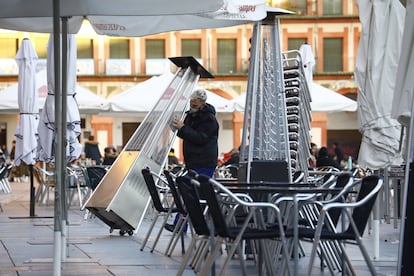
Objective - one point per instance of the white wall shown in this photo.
(342, 120)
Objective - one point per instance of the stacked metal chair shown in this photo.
(275, 140)
(298, 111)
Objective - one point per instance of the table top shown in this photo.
(282, 189)
(232, 182)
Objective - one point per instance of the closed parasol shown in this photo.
(26, 131)
(47, 116)
(375, 75)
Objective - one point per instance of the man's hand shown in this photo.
(177, 123)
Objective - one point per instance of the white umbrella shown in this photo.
(142, 97)
(327, 100)
(404, 87)
(308, 61)
(131, 17)
(323, 100)
(47, 116)
(88, 101)
(26, 131)
(375, 75)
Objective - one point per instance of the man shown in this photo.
(199, 131)
(91, 150)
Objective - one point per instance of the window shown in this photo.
(332, 55)
(85, 61)
(154, 48)
(85, 48)
(119, 49)
(299, 6)
(332, 7)
(156, 63)
(226, 56)
(295, 43)
(191, 47)
(118, 62)
(8, 47)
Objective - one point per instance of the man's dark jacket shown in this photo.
(200, 134)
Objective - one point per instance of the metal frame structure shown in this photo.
(121, 198)
(275, 140)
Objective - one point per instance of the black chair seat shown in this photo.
(255, 233)
(326, 234)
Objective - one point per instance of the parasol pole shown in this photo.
(64, 133)
(57, 141)
(32, 192)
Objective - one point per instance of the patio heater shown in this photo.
(121, 198)
(274, 117)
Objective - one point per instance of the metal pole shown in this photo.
(63, 140)
(32, 192)
(57, 141)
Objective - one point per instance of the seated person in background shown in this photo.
(324, 160)
(109, 156)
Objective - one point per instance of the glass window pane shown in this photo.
(332, 55)
(226, 56)
(8, 47)
(40, 45)
(299, 6)
(154, 48)
(295, 43)
(191, 47)
(85, 48)
(332, 7)
(119, 49)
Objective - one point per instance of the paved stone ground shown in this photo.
(27, 245)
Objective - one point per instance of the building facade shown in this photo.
(110, 65)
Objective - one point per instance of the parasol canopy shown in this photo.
(375, 76)
(26, 131)
(142, 97)
(323, 100)
(131, 17)
(47, 117)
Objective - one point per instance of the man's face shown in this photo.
(196, 103)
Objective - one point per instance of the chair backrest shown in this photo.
(86, 177)
(368, 191)
(192, 204)
(298, 176)
(341, 181)
(152, 189)
(43, 176)
(328, 179)
(95, 175)
(173, 189)
(3, 171)
(207, 191)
